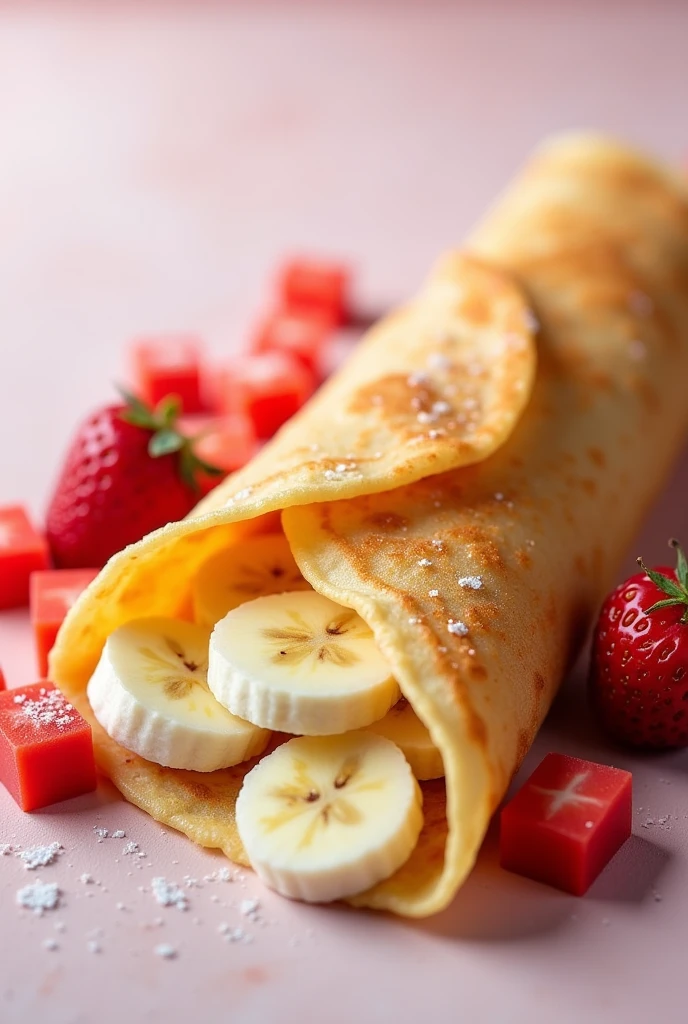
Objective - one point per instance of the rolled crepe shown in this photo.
(442, 453)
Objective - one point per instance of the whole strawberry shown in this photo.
(128, 471)
(639, 668)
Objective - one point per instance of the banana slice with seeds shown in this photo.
(322, 818)
(149, 693)
(402, 726)
(258, 566)
(299, 663)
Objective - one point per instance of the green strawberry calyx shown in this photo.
(676, 589)
(166, 437)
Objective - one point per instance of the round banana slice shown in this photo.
(260, 565)
(299, 663)
(149, 693)
(402, 726)
(326, 817)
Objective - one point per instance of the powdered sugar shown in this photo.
(457, 627)
(169, 895)
(471, 582)
(49, 708)
(39, 896)
(40, 856)
(165, 951)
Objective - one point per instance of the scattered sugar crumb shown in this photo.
(424, 562)
(457, 627)
(249, 908)
(499, 496)
(413, 620)
(433, 593)
(119, 834)
(589, 824)
(51, 944)
(471, 582)
(165, 952)
(420, 377)
(437, 361)
(93, 946)
(130, 847)
(40, 856)
(60, 926)
(6, 849)
(168, 894)
(101, 833)
(87, 879)
(120, 906)
(39, 896)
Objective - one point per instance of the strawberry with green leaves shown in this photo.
(639, 668)
(129, 471)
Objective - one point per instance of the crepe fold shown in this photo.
(443, 450)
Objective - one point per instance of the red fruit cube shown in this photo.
(269, 387)
(316, 285)
(3, 684)
(566, 822)
(53, 592)
(22, 551)
(46, 748)
(300, 332)
(169, 365)
(227, 442)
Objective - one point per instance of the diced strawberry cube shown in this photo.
(566, 822)
(301, 332)
(46, 748)
(168, 365)
(316, 285)
(22, 551)
(269, 387)
(53, 592)
(227, 442)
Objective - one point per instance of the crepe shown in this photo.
(461, 436)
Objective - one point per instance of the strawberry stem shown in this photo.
(166, 439)
(675, 589)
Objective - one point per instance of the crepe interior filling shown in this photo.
(267, 656)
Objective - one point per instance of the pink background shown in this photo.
(157, 160)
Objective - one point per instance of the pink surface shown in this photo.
(156, 164)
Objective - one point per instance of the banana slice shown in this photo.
(326, 817)
(260, 565)
(402, 726)
(299, 663)
(149, 693)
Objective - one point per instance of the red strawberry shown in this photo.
(127, 472)
(639, 668)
